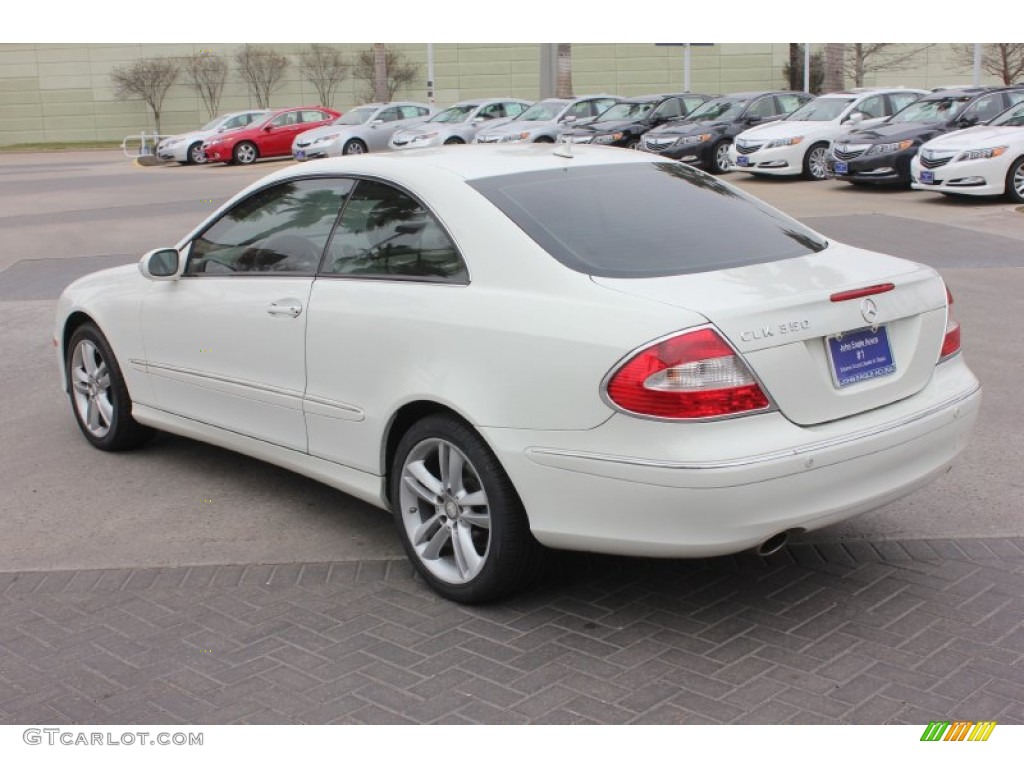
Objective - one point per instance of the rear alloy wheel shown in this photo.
(195, 154)
(720, 158)
(99, 397)
(245, 153)
(353, 147)
(1015, 181)
(459, 517)
(815, 167)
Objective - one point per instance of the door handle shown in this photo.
(286, 307)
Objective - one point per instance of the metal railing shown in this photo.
(141, 143)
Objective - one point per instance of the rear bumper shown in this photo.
(656, 489)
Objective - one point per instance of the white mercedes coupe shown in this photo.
(516, 346)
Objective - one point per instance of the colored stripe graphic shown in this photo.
(958, 731)
(982, 730)
(934, 730)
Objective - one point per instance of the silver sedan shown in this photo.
(546, 119)
(366, 128)
(459, 123)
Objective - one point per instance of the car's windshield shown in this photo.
(929, 110)
(626, 111)
(356, 116)
(821, 109)
(456, 114)
(645, 219)
(542, 110)
(1013, 117)
(214, 123)
(719, 109)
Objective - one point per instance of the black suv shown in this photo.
(622, 124)
(703, 137)
(882, 153)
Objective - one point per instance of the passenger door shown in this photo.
(225, 343)
(389, 264)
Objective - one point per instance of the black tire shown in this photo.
(195, 154)
(814, 162)
(245, 153)
(354, 147)
(720, 158)
(544, 140)
(454, 140)
(1015, 181)
(91, 402)
(488, 561)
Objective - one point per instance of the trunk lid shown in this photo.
(780, 315)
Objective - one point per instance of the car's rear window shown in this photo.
(645, 220)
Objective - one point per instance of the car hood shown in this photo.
(324, 130)
(518, 126)
(888, 132)
(977, 137)
(692, 128)
(607, 126)
(779, 128)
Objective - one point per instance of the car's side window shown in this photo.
(873, 106)
(237, 122)
(668, 109)
(691, 104)
(514, 108)
(313, 116)
(492, 111)
(389, 115)
(386, 233)
(279, 230)
(288, 118)
(901, 100)
(763, 107)
(1015, 97)
(986, 107)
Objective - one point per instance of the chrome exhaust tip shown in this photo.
(773, 545)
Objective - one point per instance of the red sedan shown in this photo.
(271, 137)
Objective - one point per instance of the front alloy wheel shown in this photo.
(195, 154)
(815, 166)
(99, 397)
(720, 157)
(1015, 181)
(460, 520)
(245, 153)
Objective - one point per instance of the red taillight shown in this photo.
(694, 375)
(951, 341)
(860, 293)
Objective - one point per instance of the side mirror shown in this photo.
(854, 118)
(268, 127)
(753, 120)
(967, 121)
(376, 122)
(569, 119)
(160, 264)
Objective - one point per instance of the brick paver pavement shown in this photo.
(890, 632)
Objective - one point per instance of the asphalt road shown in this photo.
(67, 506)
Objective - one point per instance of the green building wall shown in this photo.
(62, 92)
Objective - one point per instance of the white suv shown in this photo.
(798, 144)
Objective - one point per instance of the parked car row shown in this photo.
(862, 135)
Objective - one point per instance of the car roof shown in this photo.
(469, 162)
(755, 94)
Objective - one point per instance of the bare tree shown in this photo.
(382, 71)
(835, 53)
(325, 68)
(563, 82)
(205, 73)
(146, 79)
(262, 68)
(1002, 60)
(863, 58)
(795, 76)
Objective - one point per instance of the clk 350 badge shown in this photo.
(768, 331)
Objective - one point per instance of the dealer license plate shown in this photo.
(927, 177)
(300, 154)
(860, 355)
(742, 161)
(841, 168)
